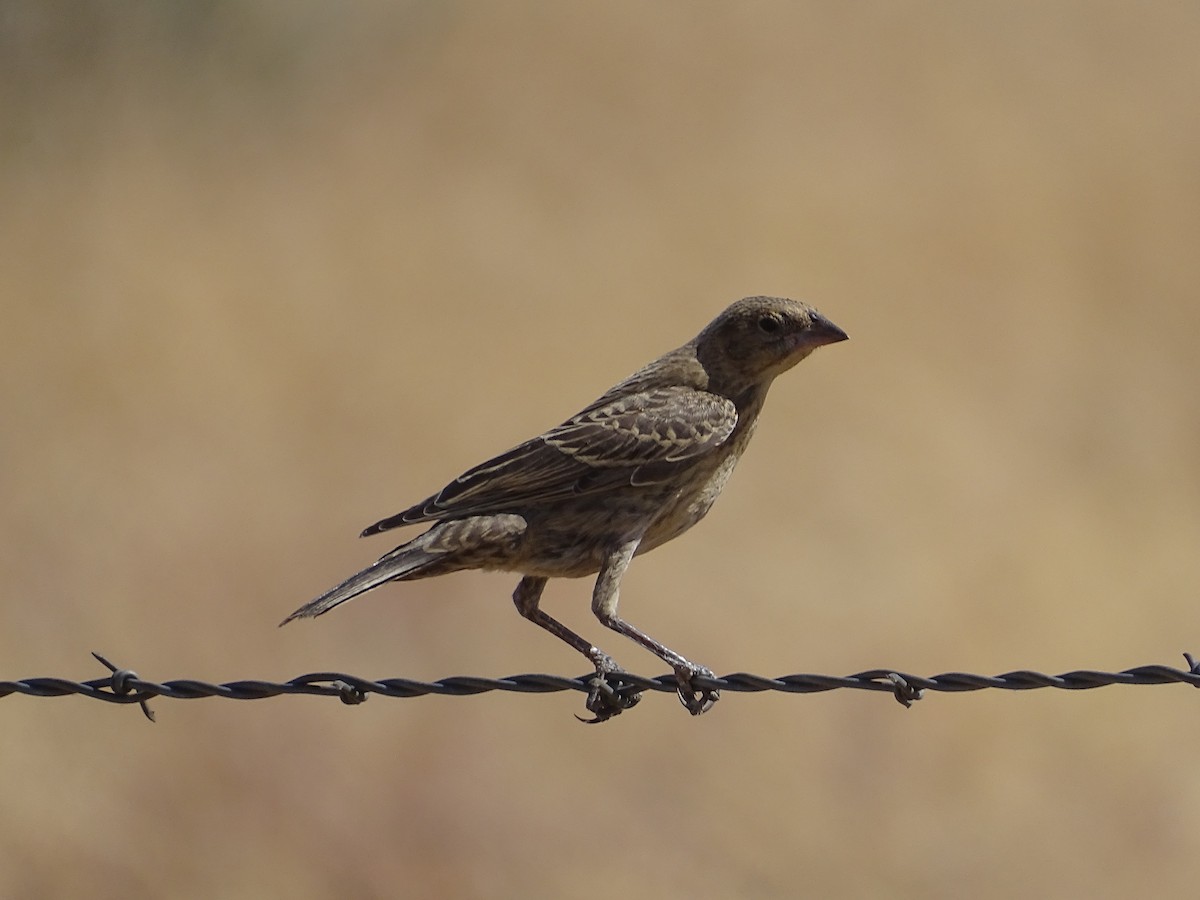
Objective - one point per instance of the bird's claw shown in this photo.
(609, 695)
(696, 700)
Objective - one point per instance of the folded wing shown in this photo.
(639, 438)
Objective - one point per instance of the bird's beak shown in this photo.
(823, 332)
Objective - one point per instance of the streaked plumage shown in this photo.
(634, 469)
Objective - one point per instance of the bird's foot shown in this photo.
(609, 695)
(696, 700)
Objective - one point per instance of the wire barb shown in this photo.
(906, 694)
(124, 685)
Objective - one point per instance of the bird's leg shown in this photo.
(604, 700)
(604, 605)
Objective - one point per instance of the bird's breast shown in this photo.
(689, 504)
(695, 497)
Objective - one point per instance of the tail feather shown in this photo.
(401, 562)
(471, 543)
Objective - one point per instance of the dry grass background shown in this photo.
(273, 270)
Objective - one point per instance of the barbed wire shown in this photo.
(623, 689)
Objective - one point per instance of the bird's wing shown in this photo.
(634, 439)
(668, 424)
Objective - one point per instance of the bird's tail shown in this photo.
(477, 542)
(405, 561)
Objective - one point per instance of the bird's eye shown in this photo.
(768, 324)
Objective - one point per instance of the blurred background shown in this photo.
(271, 271)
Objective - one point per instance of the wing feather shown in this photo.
(617, 441)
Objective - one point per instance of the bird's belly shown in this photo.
(573, 541)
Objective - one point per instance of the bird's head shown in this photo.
(758, 338)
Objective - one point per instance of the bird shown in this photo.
(632, 470)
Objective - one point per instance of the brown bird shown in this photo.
(636, 468)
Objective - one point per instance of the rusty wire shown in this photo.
(125, 686)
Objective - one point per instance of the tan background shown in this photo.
(271, 271)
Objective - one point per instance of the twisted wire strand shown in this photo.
(125, 686)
